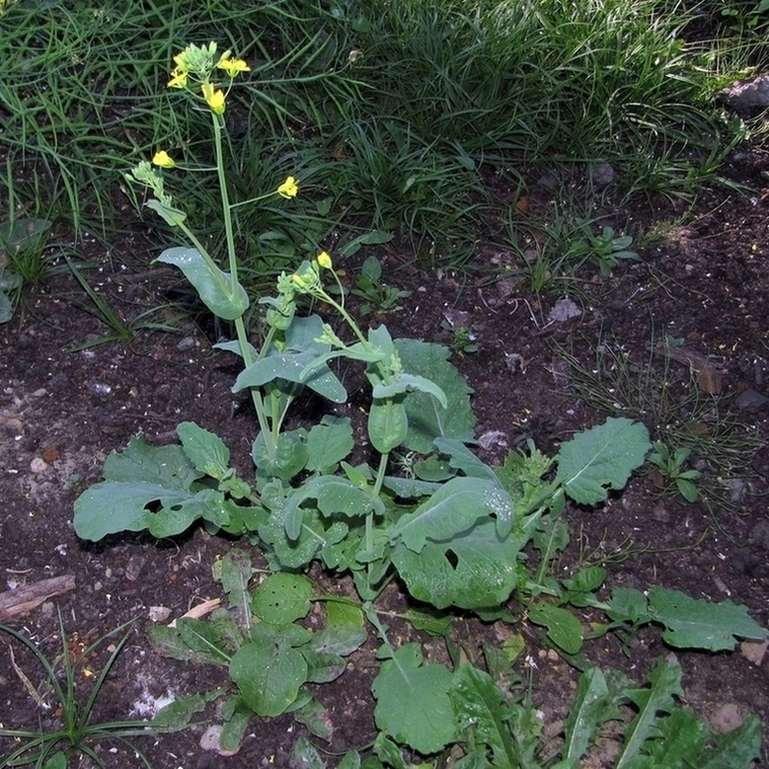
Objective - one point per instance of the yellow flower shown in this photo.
(214, 99)
(178, 78)
(163, 159)
(324, 260)
(289, 188)
(232, 66)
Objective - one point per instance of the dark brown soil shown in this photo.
(703, 278)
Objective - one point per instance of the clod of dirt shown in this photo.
(726, 719)
(755, 652)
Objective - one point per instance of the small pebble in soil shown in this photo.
(38, 465)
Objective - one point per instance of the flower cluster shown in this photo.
(197, 65)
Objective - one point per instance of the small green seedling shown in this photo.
(463, 338)
(608, 250)
(668, 466)
(378, 297)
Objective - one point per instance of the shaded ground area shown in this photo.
(548, 365)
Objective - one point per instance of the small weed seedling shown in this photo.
(22, 248)
(77, 734)
(378, 297)
(669, 467)
(463, 338)
(609, 250)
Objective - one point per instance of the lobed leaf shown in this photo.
(601, 458)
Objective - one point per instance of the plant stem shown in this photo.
(270, 440)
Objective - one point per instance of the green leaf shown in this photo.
(474, 570)
(687, 489)
(146, 487)
(563, 628)
(282, 598)
(315, 534)
(236, 573)
(736, 749)
(435, 623)
(628, 605)
(701, 624)
(57, 761)
(291, 454)
(339, 613)
(323, 667)
(178, 714)
(387, 424)
(452, 510)
(427, 419)
(329, 442)
(481, 708)
(680, 739)
(665, 683)
(334, 495)
(268, 672)
(592, 707)
(305, 755)
(316, 718)
(302, 361)
(237, 716)
(206, 450)
(213, 286)
(389, 753)
(463, 460)
(6, 307)
(340, 639)
(202, 638)
(601, 458)
(413, 704)
(351, 760)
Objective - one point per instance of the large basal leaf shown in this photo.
(601, 458)
(473, 571)
(146, 487)
(268, 672)
(427, 419)
(700, 624)
(453, 509)
(413, 703)
(481, 708)
(212, 284)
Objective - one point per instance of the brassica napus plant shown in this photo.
(206, 77)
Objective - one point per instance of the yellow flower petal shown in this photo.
(214, 98)
(289, 188)
(232, 66)
(178, 79)
(163, 159)
(324, 260)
